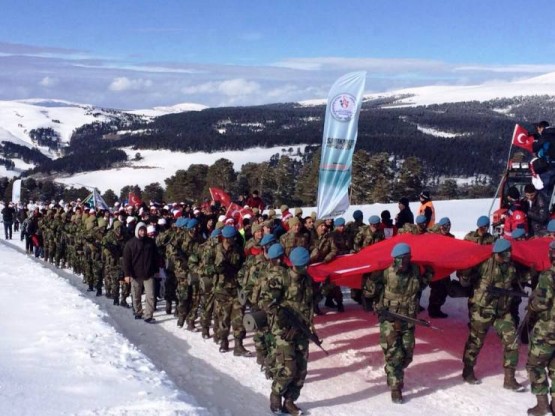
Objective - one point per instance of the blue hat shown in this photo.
(444, 221)
(299, 257)
(267, 239)
(229, 232)
(216, 233)
(357, 215)
(551, 226)
(501, 245)
(339, 222)
(400, 249)
(275, 251)
(374, 219)
(483, 221)
(192, 223)
(518, 233)
(181, 222)
(421, 219)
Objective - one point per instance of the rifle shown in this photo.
(385, 314)
(498, 291)
(297, 323)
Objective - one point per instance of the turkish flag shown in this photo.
(134, 199)
(523, 139)
(221, 196)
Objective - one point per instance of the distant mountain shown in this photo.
(461, 131)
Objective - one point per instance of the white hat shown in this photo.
(162, 221)
(230, 221)
(116, 204)
(130, 219)
(221, 218)
(150, 229)
(196, 211)
(247, 216)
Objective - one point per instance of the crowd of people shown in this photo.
(211, 269)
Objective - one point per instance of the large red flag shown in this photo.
(522, 138)
(221, 196)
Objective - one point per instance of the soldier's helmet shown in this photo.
(401, 249)
(275, 251)
(299, 257)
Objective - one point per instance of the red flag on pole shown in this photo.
(221, 196)
(522, 139)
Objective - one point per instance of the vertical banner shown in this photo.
(16, 191)
(340, 134)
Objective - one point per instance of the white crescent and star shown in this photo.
(519, 138)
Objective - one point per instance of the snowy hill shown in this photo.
(441, 94)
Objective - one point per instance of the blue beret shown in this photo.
(421, 219)
(374, 219)
(181, 222)
(483, 221)
(444, 221)
(518, 233)
(192, 223)
(216, 233)
(275, 251)
(551, 226)
(339, 222)
(229, 232)
(267, 239)
(501, 245)
(400, 249)
(357, 215)
(299, 256)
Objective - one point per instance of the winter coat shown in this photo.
(140, 257)
(8, 214)
(538, 214)
(405, 216)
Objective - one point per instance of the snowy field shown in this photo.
(157, 165)
(59, 356)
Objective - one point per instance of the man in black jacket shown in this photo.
(537, 210)
(140, 265)
(8, 216)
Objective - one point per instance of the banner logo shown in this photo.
(343, 107)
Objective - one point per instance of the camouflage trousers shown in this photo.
(112, 276)
(397, 342)
(194, 294)
(541, 355)
(481, 319)
(229, 313)
(49, 250)
(183, 298)
(290, 365)
(207, 303)
(60, 254)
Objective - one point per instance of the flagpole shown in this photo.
(500, 182)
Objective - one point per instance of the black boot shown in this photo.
(510, 382)
(340, 307)
(180, 321)
(224, 345)
(542, 408)
(275, 403)
(290, 407)
(168, 307)
(468, 375)
(239, 350)
(116, 301)
(191, 326)
(99, 292)
(330, 303)
(205, 332)
(91, 288)
(396, 395)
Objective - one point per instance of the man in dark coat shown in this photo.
(405, 215)
(140, 265)
(537, 210)
(8, 217)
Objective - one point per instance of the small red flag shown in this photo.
(523, 139)
(134, 199)
(221, 196)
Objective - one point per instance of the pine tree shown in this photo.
(154, 192)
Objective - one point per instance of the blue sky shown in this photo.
(138, 54)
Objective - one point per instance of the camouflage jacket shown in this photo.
(290, 240)
(227, 264)
(341, 242)
(542, 304)
(400, 289)
(366, 237)
(323, 249)
(484, 239)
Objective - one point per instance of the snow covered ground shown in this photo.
(157, 165)
(59, 356)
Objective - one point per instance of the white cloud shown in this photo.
(48, 82)
(230, 88)
(120, 84)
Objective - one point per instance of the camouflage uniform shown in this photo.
(351, 230)
(183, 276)
(367, 237)
(193, 291)
(294, 291)
(541, 354)
(112, 255)
(207, 254)
(170, 241)
(370, 287)
(400, 295)
(323, 249)
(290, 240)
(488, 310)
(228, 309)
